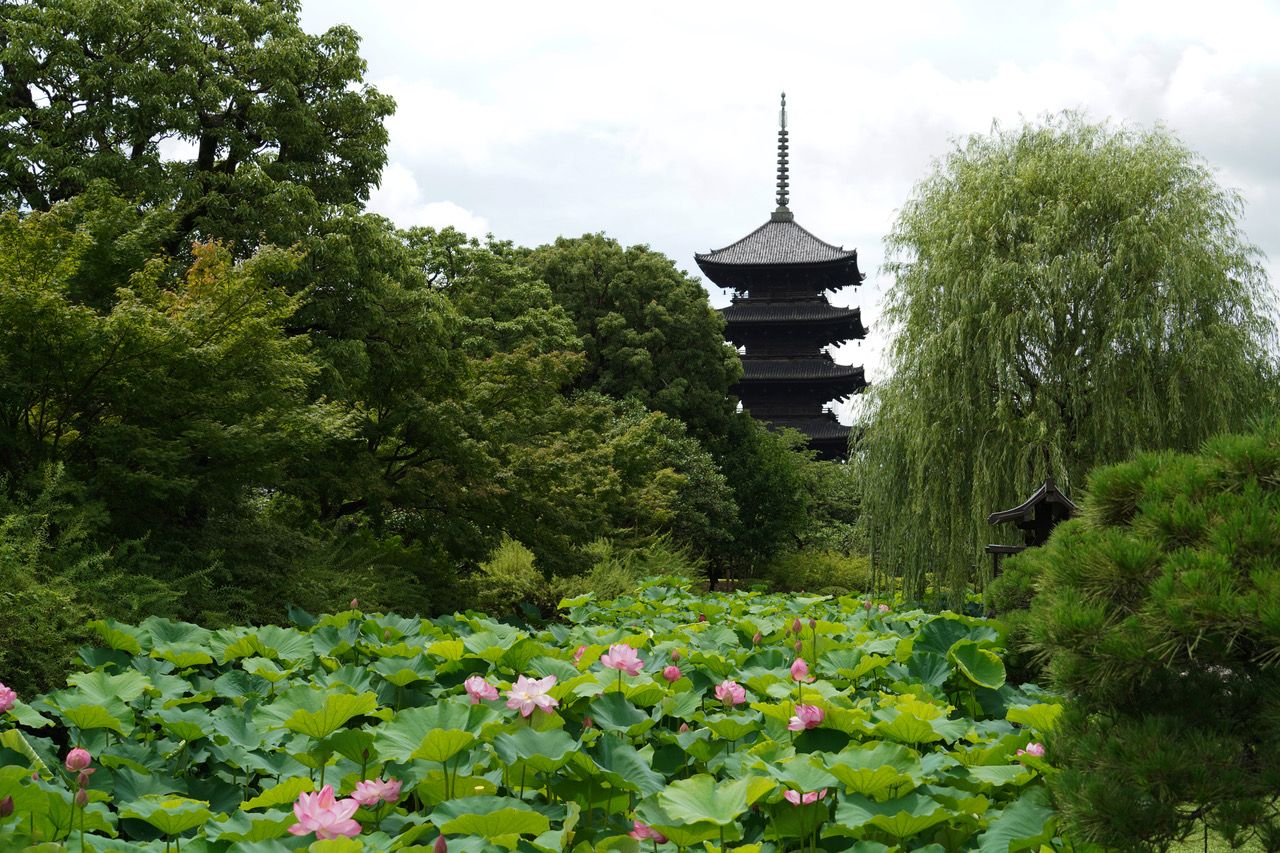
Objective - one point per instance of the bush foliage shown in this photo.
(1158, 613)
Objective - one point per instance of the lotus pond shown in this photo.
(661, 721)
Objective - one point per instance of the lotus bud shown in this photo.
(799, 646)
(588, 723)
(813, 624)
(6, 807)
(82, 798)
(83, 779)
(671, 673)
(441, 846)
(675, 654)
(77, 760)
(796, 626)
(355, 604)
(702, 617)
(755, 641)
(684, 727)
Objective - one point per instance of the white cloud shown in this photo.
(400, 199)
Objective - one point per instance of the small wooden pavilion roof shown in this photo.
(1024, 513)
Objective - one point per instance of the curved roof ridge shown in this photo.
(777, 242)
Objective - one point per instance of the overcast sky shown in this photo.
(656, 123)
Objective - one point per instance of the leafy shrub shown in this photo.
(618, 570)
(506, 580)
(1158, 613)
(826, 572)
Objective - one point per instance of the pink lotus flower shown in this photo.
(643, 831)
(731, 693)
(671, 673)
(800, 671)
(477, 688)
(577, 656)
(806, 717)
(702, 617)
(326, 817)
(884, 608)
(8, 698)
(77, 760)
(622, 658)
(684, 727)
(440, 846)
(370, 792)
(1033, 748)
(797, 799)
(529, 693)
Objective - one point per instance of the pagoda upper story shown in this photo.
(781, 319)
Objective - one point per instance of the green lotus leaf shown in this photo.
(400, 738)
(517, 657)
(981, 666)
(86, 717)
(902, 817)
(337, 845)
(449, 650)
(337, 711)
(626, 767)
(250, 827)
(29, 717)
(802, 773)
(101, 688)
(266, 668)
(928, 668)
(876, 769)
(683, 833)
(939, 634)
(683, 706)
(402, 671)
(185, 723)
(438, 787)
(905, 727)
(1025, 824)
(734, 726)
(613, 713)
(704, 798)
(182, 655)
(1041, 717)
(170, 815)
(353, 744)
(284, 793)
(494, 818)
(440, 745)
(543, 751)
(1002, 774)
(125, 638)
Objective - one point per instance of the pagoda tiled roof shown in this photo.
(778, 241)
(796, 367)
(816, 428)
(785, 310)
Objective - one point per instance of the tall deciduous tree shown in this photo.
(1064, 294)
(227, 111)
(649, 332)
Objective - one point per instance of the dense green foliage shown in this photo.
(647, 329)
(208, 737)
(1064, 294)
(198, 423)
(276, 124)
(1158, 615)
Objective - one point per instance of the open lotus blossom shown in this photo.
(671, 673)
(77, 760)
(370, 792)
(577, 655)
(806, 717)
(325, 816)
(798, 799)
(477, 688)
(884, 608)
(1033, 748)
(529, 693)
(8, 698)
(731, 692)
(622, 658)
(643, 832)
(800, 671)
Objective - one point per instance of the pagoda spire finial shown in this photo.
(783, 213)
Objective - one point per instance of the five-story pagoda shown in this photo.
(781, 317)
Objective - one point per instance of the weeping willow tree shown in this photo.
(1065, 293)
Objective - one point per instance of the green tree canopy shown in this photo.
(649, 332)
(1064, 294)
(228, 112)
